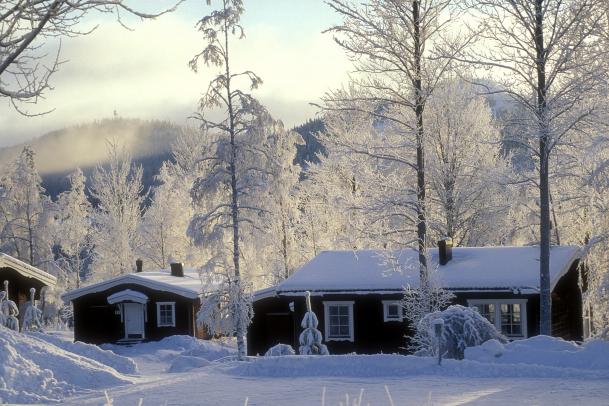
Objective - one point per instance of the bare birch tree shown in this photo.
(546, 56)
(28, 28)
(392, 44)
(234, 163)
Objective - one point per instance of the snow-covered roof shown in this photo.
(189, 285)
(127, 295)
(6, 261)
(475, 269)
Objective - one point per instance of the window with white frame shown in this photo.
(338, 318)
(508, 315)
(392, 310)
(166, 314)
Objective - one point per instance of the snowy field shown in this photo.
(183, 371)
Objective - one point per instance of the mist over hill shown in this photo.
(60, 152)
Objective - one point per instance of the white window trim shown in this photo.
(158, 314)
(327, 320)
(498, 303)
(386, 304)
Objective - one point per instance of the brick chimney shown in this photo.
(139, 265)
(177, 269)
(445, 249)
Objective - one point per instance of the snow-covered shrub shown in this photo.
(463, 327)
(311, 339)
(2, 316)
(280, 350)
(10, 311)
(32, 318)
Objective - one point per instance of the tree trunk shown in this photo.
(545, 308)
(284, 242)
(419, 109)
(236, 302)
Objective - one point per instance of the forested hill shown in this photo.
(59, 152)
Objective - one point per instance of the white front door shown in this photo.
(134, 320)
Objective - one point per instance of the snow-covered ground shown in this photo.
(184, 371)
(33, 370)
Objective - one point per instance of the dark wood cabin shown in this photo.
(142, 306)
(21, 277)
(357, 298)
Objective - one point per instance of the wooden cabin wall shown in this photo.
(567, 317)
(96, 321)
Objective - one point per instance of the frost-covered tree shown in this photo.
(235, 161)
(352, 200)
(29, 29)
(165, 223)
(469, 194)
(118, 192)
(548, 57)
(393, 47)
(74, 229)
(26, 212)
(282, 204)
(311, 340)
(582, 209)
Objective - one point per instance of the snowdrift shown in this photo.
(183, 353)
(544, 350)
(122, 364)
(539, 357)
(35, 371)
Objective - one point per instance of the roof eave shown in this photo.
(28, 270)
(130, 278)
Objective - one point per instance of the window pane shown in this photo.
(338, 321)
(487, 311)
(511, 320)
(393, 311)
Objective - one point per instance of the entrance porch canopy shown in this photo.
(128, 295)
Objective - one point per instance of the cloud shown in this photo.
(144, 73)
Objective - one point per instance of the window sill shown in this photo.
(340, 339)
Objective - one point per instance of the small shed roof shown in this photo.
(189, 285)
(475, 269)
(28, 271)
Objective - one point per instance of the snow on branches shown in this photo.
(463, 327)
(311, 340)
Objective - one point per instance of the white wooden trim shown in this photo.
(158, 314)
(498, 303)
(349, 305)
(124, 319)
(386, 304)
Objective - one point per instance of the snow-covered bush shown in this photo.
(463, 327)
(9, 311)
(32, 318)
(311, 339)
(280, 350)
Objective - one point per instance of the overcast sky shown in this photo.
(144, 73)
